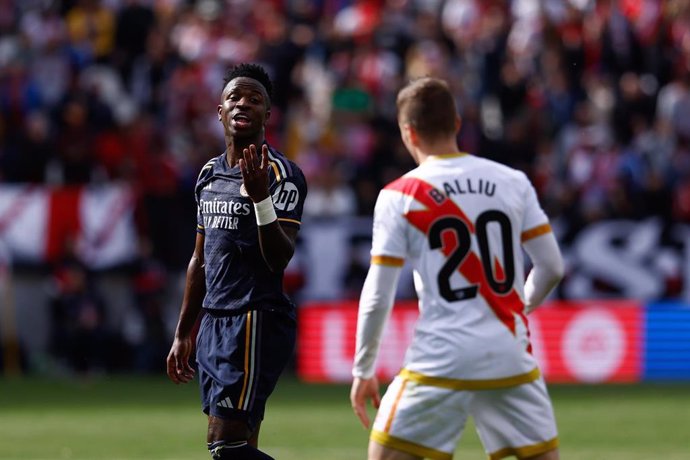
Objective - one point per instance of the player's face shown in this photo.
(244, 108)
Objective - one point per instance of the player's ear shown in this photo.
(220, 113)
(404, 131)
(412, 135)
(268, 113)
(458, 123)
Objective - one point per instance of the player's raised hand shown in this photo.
(255, 172)
(178, 367)
(363, 390)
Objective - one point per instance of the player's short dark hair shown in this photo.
(253, 71)
(429, 106)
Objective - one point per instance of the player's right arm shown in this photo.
(389, 249)
(178, 367)
(375, 305)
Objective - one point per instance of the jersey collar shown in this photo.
(225, 164)
(446, 156)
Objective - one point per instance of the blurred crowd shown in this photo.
(590, 98)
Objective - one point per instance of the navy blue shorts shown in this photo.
(240, 358)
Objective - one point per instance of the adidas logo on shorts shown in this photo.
(225, 403)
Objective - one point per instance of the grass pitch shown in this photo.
(138, 418)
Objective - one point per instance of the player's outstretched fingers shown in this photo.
(248, 163)
(253, 158)
(264, 157)
(243, 166)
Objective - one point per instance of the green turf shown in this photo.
(149, 418)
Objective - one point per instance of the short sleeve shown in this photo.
(205, 175)
(288, 198)
(535, 222)
(388, 237)
(200, 228)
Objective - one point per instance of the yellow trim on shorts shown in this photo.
(460, 385)
(387, 260)
(539, 230)
(394, 409)
(525, 451)
(247, 342)
(402, 445)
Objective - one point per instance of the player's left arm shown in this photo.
(277, 242)
(547, 270)
(541, 246)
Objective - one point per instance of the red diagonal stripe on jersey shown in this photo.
(498, 270)
(437, 206)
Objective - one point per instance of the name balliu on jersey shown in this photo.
(460, 220)
(237, 278)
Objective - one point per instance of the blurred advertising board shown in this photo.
(646, 260)
(574, 342)
(40, 224)
(667, 344)
(588, 342)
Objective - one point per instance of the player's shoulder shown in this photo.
(208, 168)
(397, 193)
(499, 170)
(405, 182)
(283, 168)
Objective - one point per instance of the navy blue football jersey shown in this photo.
(237, 277)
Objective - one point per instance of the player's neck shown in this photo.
(437, 149)
(235, 147)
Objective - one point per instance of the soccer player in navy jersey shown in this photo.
(249, 202)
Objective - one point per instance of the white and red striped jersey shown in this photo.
(460, 220)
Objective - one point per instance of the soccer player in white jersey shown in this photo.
(461, 221)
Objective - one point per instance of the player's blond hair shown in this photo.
(428, 105)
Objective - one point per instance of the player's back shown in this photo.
(462, 219)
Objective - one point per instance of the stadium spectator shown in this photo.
(509, 62)
(91, 30)
(134, 23)
(470, 351)
(235, 276)
(81, 341)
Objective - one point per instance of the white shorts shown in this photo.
(427, 421)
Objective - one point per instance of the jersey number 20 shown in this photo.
(457, 257)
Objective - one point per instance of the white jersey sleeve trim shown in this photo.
(375, 305)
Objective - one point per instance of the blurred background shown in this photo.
(108, 112)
